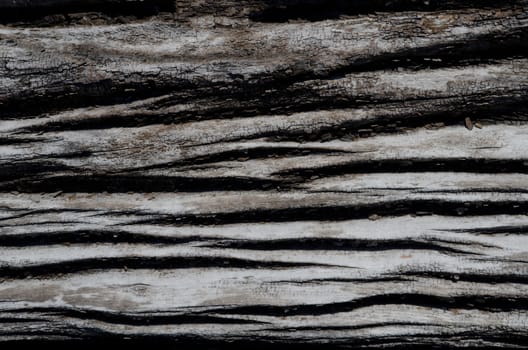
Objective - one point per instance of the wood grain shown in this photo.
(293, 173)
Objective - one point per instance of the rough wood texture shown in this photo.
(301, 172)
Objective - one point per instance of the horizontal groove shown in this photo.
(319, 10)
(470, 277)
(496, 230)
(301, 243)
(477, 190)
(469, 302)
(143, 184)
(341, 213)
(38, 177)
(354, 327)
(498, 339)
(265, 94)
(449, 111)
(340, 244)
(4, 320)
(469, 165)
(440, 339)
(90, 236)
(344, 280)
(101, 93)
(487, 111)
(21, 213)
(48, 270)
(41, 223)
(241, 154)
(136, 319)
(59, 11)
(317, 102)
(18, 170)
(8, 141)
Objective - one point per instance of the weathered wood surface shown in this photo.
(352, 173)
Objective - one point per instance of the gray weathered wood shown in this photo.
(295, 172)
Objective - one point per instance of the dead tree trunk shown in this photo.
(302, 172)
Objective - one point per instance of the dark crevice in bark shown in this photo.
(492, 111)
(58, 12)
(92, 237)
(340, 213)
(481, 49)
(476, 190)
(36, 212)
(135, 262)
(126, 263)
(18, 170)
(339, 244)
(475, 165)
(63, 12)
(363, 326)
(18, 320)
(242, 155)
(490, 339)
(318, 10)
(443, 112)
(480, 302)
(36, 177)
(344, 280)
(306, 100)
(497, 230)
(144, 184)
(422, 191)
(104, 92)
(271, 93)
(499, 339)
(42, 223)
(136, 319)
(470, 277)
(8, 141)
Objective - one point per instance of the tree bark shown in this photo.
(296, 172)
